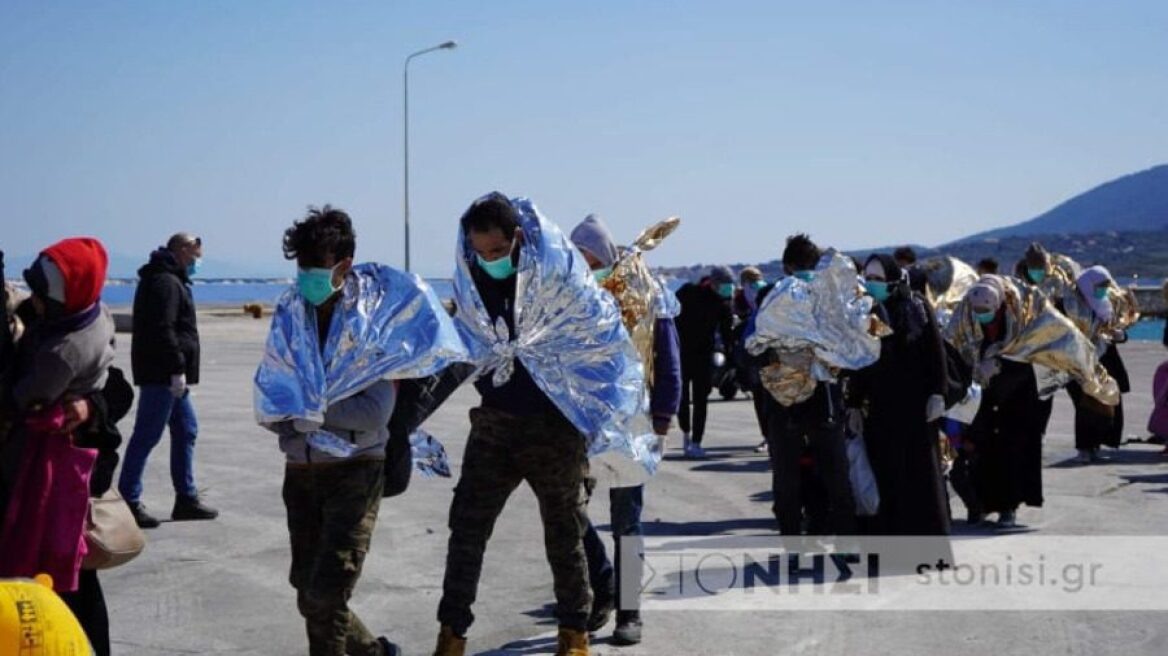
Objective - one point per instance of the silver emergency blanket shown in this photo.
(570, 337)
(429, 455)
(830, 316)
(387, 325)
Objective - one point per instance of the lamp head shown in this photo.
(449, 45)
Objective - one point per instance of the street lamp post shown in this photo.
(449, 45)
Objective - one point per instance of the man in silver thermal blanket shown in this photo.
(560, 382)
(339, 341)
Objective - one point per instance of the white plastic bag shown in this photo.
(965, 411)
(864, 490)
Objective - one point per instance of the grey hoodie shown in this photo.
(362, 419)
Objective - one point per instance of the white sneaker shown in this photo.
(761, 448)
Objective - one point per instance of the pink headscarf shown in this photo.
(1087, 282)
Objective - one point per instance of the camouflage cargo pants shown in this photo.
(332, 509)
(503, 451)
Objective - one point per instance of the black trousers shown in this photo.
(827, 492)
(696, 373)
(88, 605)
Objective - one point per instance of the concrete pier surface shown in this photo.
(221, 587)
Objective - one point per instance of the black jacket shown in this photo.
(520, 395)
(704, 314)
(166, 336)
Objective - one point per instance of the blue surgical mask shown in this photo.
(805, 276)
(499, 269)
(1100, 293)
(985, 317)
(758, 284)
(316, 285)
(1036, 275)
(726, 290)
(877, 289)
(602, 274)
(194, 267)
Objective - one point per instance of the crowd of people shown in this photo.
(581, 360)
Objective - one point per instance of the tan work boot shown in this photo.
(572, 643)
(450, 644)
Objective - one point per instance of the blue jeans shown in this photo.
(626, 504)
(158, 408)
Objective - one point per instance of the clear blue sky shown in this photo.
(864, 123)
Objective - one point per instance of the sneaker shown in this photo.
(143, 518)
(1096, 457)
(974, 518)
(628, 628)
(697, 452)
(603, 602)
(190, 508)
(1007, 520)
(761, 448)
(1084, 457)
(686, 442)
(388, 648)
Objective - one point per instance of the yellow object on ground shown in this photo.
(35, 622)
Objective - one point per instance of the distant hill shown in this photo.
(1122, 225)
(1134, 202)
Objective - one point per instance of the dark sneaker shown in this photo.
(1008, 520)
(143, 518)
(628, 628)
(603, 602)
(388, 648)
(190, 508)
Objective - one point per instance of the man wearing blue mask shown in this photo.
(165, 359)
(706, 313)
(528, 428)
(809, 463)
(339, 341)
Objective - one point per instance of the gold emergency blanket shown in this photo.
(641, 297)
(816, 328)
(1037, 333)
(948, 280)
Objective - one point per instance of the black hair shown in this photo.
(324, 231)
(801, 254)
(905, 254)
(488, 212)
(987, 265)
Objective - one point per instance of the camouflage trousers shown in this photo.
(503, 451)
(332, 509)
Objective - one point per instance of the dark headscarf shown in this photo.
(903, 310)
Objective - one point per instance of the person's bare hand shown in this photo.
(77, 412)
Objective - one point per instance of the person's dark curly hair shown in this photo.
(801, 254)
(324, 231)
(488, 212)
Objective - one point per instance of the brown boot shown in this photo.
(572, 643)
(450, 644)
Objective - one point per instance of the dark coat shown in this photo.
(704, 315)
(902, 445)
(166, 333)
(1010, 421)
(1096, 425)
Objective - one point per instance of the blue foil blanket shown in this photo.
(387, 325)
(570, 338)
